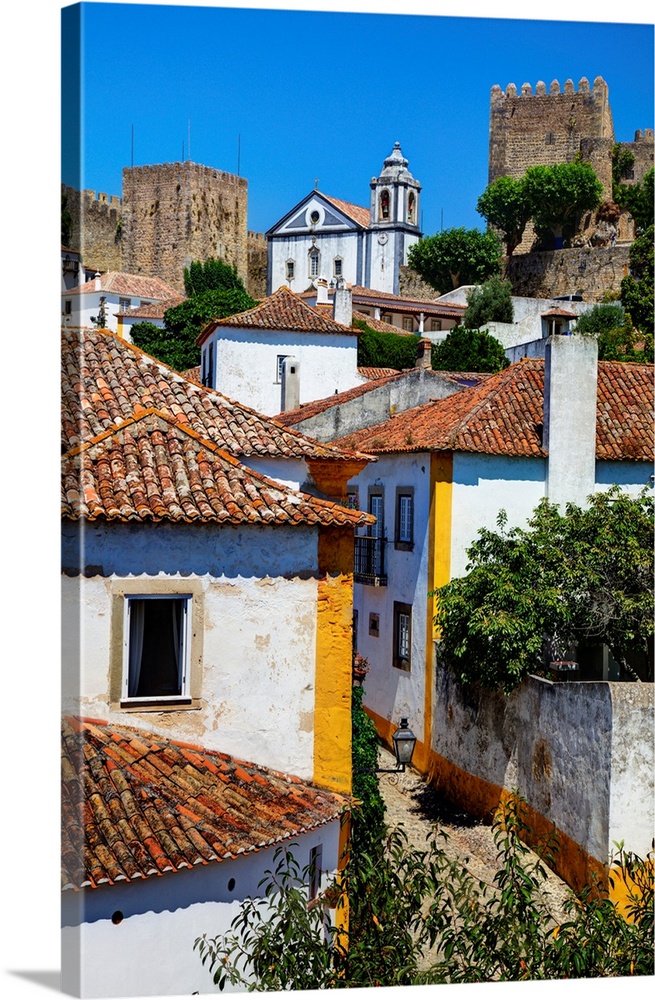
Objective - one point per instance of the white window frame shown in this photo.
(408, 324)
(338, 267)
(404, 518)
(314, 262)
(290, 269)
(124, 304)
(281, 358)
(184, 695)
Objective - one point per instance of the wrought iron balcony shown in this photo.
(369, 560)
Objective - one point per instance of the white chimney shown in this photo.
(570, 399)
(343, 303)
(321, 291)
(98, 281)
(290, 384)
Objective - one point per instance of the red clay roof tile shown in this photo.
(283, 310)
(122, 283)
(127, 822)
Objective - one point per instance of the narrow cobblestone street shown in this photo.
(411, 802)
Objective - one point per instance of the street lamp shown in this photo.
(404, 742)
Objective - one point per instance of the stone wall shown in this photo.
(174, 213)
(257, 265)
(95, 231)
(586, 271)
(413, 287)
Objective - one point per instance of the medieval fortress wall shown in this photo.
(95, 232)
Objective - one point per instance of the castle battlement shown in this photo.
(600, 89)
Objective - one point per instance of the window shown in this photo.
(156, 649)
(387, 318)
(338, 267)
(550, 138)
(314, 217)
(411, 204)
(435, 325)
(353, 499)
(374, 624)
(291, 269)
(124, 304)
(207, 373)
(315, 872)
(384, 205)
(408, 323)
(68, 306)
(402, 635)
(404, 535)
(280, 366)
(314, 263)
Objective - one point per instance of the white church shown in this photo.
(325, 237)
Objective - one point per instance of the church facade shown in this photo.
(325, 237)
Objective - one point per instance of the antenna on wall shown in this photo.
(442, 220)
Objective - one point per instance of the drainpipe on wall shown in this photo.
(570, 400)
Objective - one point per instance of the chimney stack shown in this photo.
(570, 400)
(98, 281)
(343, 303)
(424, 353)
(321, 291)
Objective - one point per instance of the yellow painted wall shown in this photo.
(332, 703)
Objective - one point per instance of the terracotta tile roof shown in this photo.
(153, 310)
(193, 374)
(376, 373)
(502, 416)
(135, 804)
(151, 468)
(106, 381)
(360, 215)
(396, 303)
(381, 325)
(307, 410)
(122, 283)
(283, 310)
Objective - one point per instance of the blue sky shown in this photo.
(287, 96)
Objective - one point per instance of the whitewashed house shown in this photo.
(326, 237)
(99, 301)
(207, 611)
(282, 353)
(560, 429)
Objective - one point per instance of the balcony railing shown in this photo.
(369, 560)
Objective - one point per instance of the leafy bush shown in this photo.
(637, 287)
(210, 275)
(617, 337)
(385, 350)
(489, 303)
(466, 350)
(419, 917)
(368, 817)
(456, 257)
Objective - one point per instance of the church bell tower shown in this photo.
(394, 224)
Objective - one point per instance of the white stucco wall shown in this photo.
(346, 245)
(150, 951)
(246, 365)
(257, 588)
(391, 692)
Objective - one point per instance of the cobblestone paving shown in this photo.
(420, 809)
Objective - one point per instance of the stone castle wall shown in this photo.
(257, 265)
(95, 227)
(174, 213)
(586, 271)
(413, 286)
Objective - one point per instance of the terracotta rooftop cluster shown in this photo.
(135, 805)
(282, 311)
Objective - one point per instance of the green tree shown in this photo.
(466, 350)
(210, 275)
(66, 222)
(617, 337)
(581, 577)
(175, 344)
(368, 816)
(623, 160)
(557, 196)
(505, 206)
(489, 303)
(456, 257)
(376, 349)
(419, 917)
(637, 287)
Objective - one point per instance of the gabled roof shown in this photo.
(106, 381)
(316, 406)
(397, 303)
(355, 213)
(121, 283)
(375, 373)
(359, 214)
(504, 416)
(152, 310)
(283, 310)
(135, 805)
(379, 324)
(152, 469)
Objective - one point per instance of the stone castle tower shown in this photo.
(174, 213)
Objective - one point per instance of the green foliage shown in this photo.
(456, 257)
(638, 200)
(557, 196)
(489, 303)
(617, 338)
(623, 160)
(66, 222)
(418, 917)
(385, 350)
(585, 576)
(175, 344)
(466, 350)
(637, 287)
(368, 817)
(505, 206)
(210, 275)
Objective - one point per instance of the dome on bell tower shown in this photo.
(395, 166)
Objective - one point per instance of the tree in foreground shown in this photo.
(456, 257)
(209, 276)
(592, 570)
(466, 350)
(637, 287)
(617, 337)
(378, 349)
(489, 303)
(558, 195)
(420, 917)
(505, 206)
